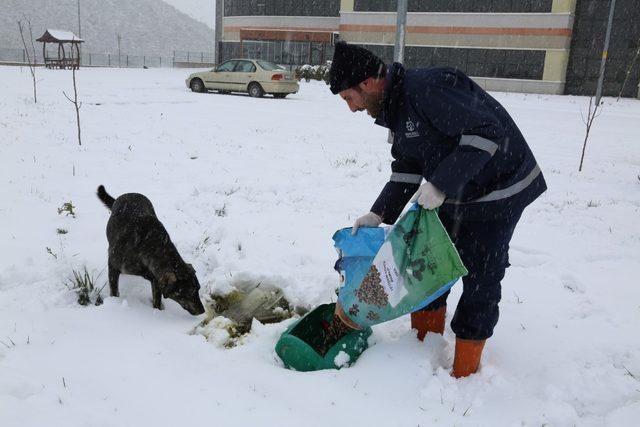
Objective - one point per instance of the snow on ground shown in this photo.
(251, 190)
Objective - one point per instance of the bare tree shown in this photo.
(592, 114)
(31, 56)
(626, 78)
(75, 103)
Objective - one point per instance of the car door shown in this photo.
(243, 74)
(220, 78)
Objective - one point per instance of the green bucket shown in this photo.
(296, 346)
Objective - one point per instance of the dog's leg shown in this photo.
(114, 275)
(156, 295)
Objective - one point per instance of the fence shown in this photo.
(89, 59)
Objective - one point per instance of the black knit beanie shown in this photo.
(352, 65)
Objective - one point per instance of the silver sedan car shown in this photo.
(253, 76)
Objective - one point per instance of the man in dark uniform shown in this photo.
(478, 168)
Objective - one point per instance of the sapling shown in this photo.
(31, 56)
(75, 103)
(591, 115)
(628, 73)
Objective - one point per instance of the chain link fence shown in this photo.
(89, 59)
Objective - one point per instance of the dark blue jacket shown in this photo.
(449, 131)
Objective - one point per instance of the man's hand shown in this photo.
(367, 220)
(428, 196)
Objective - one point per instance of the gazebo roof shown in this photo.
(59, 36)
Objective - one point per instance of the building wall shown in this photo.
(540, 31)
(233, 24)
(588, 41)
(525, 45)
(499, 46)
(285, 31)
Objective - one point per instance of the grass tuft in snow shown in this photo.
(67, 209)
(84, 285)
(203, 244)
(222, 211)
(50, 252)
(231, 191)
(349, 161)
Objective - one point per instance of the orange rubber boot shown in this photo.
(467, 358)
(428, 321)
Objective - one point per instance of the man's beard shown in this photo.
(372, 103)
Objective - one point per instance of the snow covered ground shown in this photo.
(251, 190)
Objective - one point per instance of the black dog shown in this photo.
(140, 245)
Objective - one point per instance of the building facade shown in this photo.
(537, 46)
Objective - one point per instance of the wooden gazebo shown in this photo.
(69, 56)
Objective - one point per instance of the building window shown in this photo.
(278, 51)
(499, 63)
(282, 8)
(287, 52)
(470, 6)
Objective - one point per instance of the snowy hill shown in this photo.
(200, 10)
(147, 27)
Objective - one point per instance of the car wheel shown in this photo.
(280, 95)
(197, 85)
(255, 90)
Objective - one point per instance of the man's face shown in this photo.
(364, 97)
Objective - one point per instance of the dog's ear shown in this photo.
(191, 269)
(167, 280)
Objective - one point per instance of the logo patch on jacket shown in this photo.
(411, 129)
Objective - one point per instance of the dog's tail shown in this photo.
(105, 197)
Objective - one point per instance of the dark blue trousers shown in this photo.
(484, 249)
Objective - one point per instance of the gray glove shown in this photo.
(367, 220)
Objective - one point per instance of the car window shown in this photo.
(245, 67)
(269, 66)
(227, 66)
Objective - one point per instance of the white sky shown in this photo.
(201, 10)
